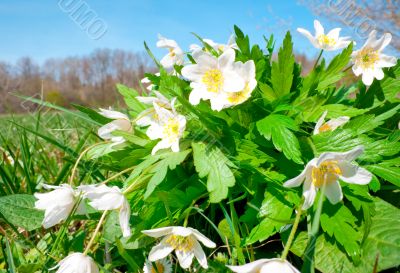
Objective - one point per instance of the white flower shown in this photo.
(330, 125)
(57, 204)
(327, 169)
(248, 72)
(185, 243)
(146, 81)
(217, 46)
(120, 122)
(370, 60)
(76, 263)
(162, 266)
(175, 55)
(169, 128)
(211, 76)
(265, 266)
(103, 197)
(329, 42)
(149, 116)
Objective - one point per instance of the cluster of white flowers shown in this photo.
(225, 83)
(368, 60)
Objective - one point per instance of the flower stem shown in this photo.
(319, 57)
(89, 245)
(71, 178)
(118, 174)
(292, 233)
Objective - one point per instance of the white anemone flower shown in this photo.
(149, 116)
(211, 76)
(330, 125)
(217, 46)
(369, 60)
(326, 170)
(265, 266)
(248, 72)
(76, 263)
(169, 128)
(328, 42)
(103, 197)
(175, 55)
(185, 242)
(57, 204)
(160, 266)
(120, 122)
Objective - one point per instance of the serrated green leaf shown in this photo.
(278, 127)
(211, 162)
(389, 173)
(282, 70)
(130, 95)
(19, 210)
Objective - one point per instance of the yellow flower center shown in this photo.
(172, 52)
(239, 97)
(159, 268)
(221, 47)
(367, 57)
(326, 173)
(325, 128)
(325, 40)
(213, 80)
(181, 243)
(171, 129)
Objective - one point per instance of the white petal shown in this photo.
(277, 265)
(124, 216)
(232, 81)
(104, 198)
(348, 156)
(196, 95)
(354, 174)
(319, 29)
(193, 72)
(320, 122)
(181, 231)
(309, 193)
(226, 59)
(334, 34)
(167, 61)
(200, 255)
(371, 39)
(155, 131)
(296, 181)
(383, 42)
(368, 77)
(357, 70)
(158, 232)
(175, 146)
(112, 114)
(333, 192)
(386, 61)
(185, 259)
(337, 122)
(378, 73)
(205, 241)
(165, 43)
(308, 35)
(160, 251)
(162, 144)
(252, 267)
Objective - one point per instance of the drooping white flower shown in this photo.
(369, 60)
(169, 128)
(103, 197)
(328, 42)
(149, 116)
(326, 170)
(120, 122)
(330, 125)
(248, 72)
(162, 266)
(211, 76)
(265, 266)
(57, 204)
(217, 46)
(185, 242)
(76, 263)
(175, 55)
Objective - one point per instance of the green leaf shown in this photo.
(282, 71)
(383, 240)
(211, 162)
(19, 210)
(389, 173)
(130, 95)
(277, 212)
(159, 170)
(278, 127)
(92, 114)
(338, 222)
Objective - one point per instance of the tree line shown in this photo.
(85, 80)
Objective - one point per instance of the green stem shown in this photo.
(319, 57)
(118, 174)
(292, 234)
(89, 245)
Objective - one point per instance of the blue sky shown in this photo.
(41, 29)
